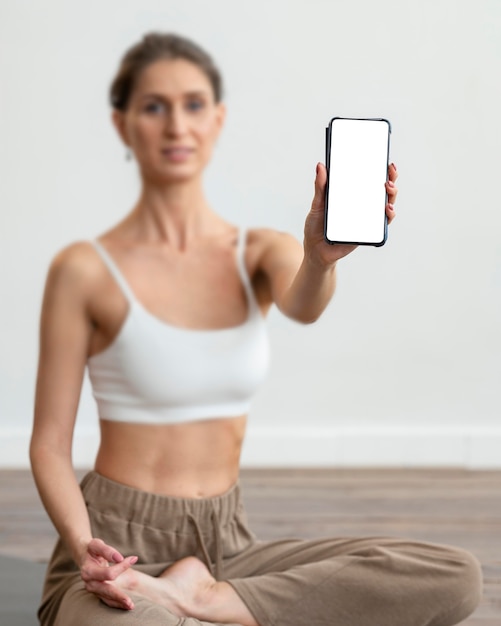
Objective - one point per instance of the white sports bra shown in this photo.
(157, 373)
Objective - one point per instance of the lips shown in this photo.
(177, 154)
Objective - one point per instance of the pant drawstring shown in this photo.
(219, 551)
(217, 570)
(201, 542)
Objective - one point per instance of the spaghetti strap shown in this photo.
(113, 269)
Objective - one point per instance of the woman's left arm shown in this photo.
(302, 281)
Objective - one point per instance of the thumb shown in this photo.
(318, 202)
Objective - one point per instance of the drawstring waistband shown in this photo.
(217, 570)
(210, 527)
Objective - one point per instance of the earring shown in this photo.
(128, 155)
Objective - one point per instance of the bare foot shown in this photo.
(188, 589)
(182, 588)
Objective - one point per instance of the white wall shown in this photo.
(404, 367)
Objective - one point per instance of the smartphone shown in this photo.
(357, 154)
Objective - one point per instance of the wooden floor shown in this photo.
(448, 506)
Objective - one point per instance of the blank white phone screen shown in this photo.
(358, 167)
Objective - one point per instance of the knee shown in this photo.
(470, 582)
(463, 589)
(81, 608)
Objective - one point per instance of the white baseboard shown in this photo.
(381, 446)
(362, 446)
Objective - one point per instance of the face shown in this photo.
(172, 121)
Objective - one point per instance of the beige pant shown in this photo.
(326, 582)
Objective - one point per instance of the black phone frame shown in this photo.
(328, 136)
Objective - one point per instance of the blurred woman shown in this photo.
(166, 310)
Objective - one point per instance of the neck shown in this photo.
(175, 213)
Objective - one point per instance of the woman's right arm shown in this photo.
(65, 332)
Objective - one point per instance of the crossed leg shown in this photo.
(347, 582)
(358, 582)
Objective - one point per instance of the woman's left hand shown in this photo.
(319, 251)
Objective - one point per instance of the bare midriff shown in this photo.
(197, 459)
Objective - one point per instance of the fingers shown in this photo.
(391, 192)
(118, 605)
(114, 571)
(392, 172)
(390, 213)
(98, 580)
(98, 574)
(98, 549)
(93, 572)
(110, 594)
(391, 188)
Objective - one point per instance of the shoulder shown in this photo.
(74, 269)
(267, 244)
(268, 236)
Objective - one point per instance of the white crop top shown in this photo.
(157, 373)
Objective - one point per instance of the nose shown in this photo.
(176, 122)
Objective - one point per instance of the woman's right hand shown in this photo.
(100, 565)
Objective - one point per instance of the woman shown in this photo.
(166, 310)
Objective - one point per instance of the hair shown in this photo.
(155, 47)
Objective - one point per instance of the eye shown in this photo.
(194, 105)
(154, 107)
